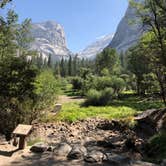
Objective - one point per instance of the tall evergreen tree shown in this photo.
(70, 66)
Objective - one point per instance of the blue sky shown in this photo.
(83, 20)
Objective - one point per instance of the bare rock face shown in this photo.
(96, 47)
(50, 39)
(151, 121)
(128, 33)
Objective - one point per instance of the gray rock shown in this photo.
(50, 39)
(163, 162)
(151, 121)
(127, 34)
(62, 149)
(77, 152)
(118, 160)
(39, 147)
(141, 163)
(95, 157)
(57, 108)
(96, 47)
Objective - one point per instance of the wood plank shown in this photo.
(22, 129)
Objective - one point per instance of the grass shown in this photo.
(35, 140)
(125, 108)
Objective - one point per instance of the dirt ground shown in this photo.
(68, 99)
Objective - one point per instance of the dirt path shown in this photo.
(68, 99)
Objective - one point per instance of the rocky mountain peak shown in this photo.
(50, 39)
(127, 33)
(96, 47)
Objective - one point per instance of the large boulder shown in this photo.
(141, 163)
(39, 147)
(77, 152)
(62, 149)
(95, 157)
(118, 160)
(151, 121)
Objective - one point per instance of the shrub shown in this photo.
(106, 96)
(118, 84)
(46, 88)
(99, 98)
(103, 82)
(156, 147)
(77, 83)
(93, 97)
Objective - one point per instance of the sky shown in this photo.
(83, 20)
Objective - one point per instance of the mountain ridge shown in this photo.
(49, 38)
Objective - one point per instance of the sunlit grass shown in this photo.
(125, 108)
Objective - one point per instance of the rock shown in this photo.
(105, 144)
(127, 35)
(62, 149)
(130, 143)
(77, 152)
(50, 149)
(95, 157)
(163, 162)
(151, 121)
(117, 160)
(161, 126)
(96, 47)
(39, 147)
(57, 108)
(49, 38)
(111, 125)
(141, 163)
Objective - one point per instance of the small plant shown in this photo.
(156, 147)
(34, 141)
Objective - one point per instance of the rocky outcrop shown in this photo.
(96, 47)
(151, 121)
(39, 147)
(128, 32)
(49, 39)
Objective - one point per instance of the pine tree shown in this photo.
(49, 64)
(70, 66)
(62, 68)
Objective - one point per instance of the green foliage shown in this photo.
(34, 141)
(118, 85)
(4, 2)
(93, 97)
(124, 108)
(108, 59)
(153, 42)
(77, 83)
(72, 112)
(46, 88)
(16, 93)
(99, 98)
(102, 82)
(156, 147)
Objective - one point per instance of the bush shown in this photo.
(93, 97)
(106, 96)
(46, 88)
(77, 83)
(118, 85)
(156, 147)
(99, 98)
(103, 82)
